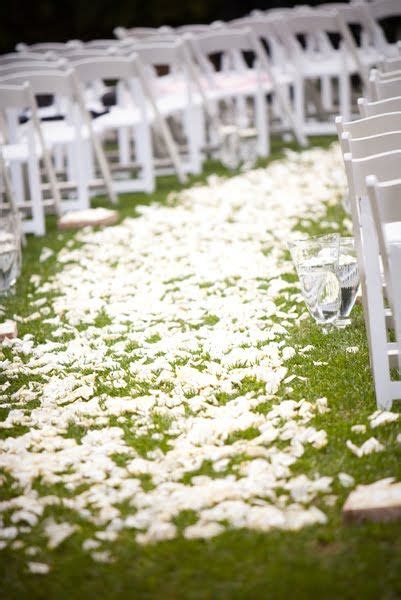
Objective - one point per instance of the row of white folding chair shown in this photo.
(210, 86)
(183, 91)
(385, 167)
(320, 60)
(317, 60)
(234, 83)
(145, 181)
(102, 49)
(288, 63)
(372, 145)
(281, 33)
(159, 106)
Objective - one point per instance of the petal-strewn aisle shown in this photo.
(139, 401)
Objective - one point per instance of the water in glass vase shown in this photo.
(348, 275)
(9, 261)
(321, 289)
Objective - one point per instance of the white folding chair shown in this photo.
(70, 137)
(22, 154)
(282, 67)
(130, 118)
(381, 10)
(380, 211)
(385, 167)
(366, 48)
(318, 63)
(177, 95)
(239, 83)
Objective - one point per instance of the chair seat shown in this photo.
(393, 233)
(317, 64)
(229, 83)
(60, 132)
(15, 152)
(117, 117)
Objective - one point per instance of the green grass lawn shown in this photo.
(325, 561)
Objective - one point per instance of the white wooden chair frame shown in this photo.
(26, 152)
(141, 103)
(234, 42)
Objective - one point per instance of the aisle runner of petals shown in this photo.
(139, 403)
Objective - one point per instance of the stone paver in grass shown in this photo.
(380, 501)
(92, 217)
(8, 329)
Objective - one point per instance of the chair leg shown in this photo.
(17, 181)
(144, 154)
(82, 181)
(192, 119)
(35, 192)
(327, 94)
(345, 96)
(123, 135)
(374, 313)
(262, 125)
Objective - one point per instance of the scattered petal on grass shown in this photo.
(379, 418)
(38, 568)
(358, 428)
(45, 254)
(57, 532)
(321, 405)
(102, 557)
(90, 544)
(352, 349)
(371, 445)
(346, 480)
(203, 530)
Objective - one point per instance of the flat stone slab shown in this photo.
(8, 329)
(380, 501)
(94, 217)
